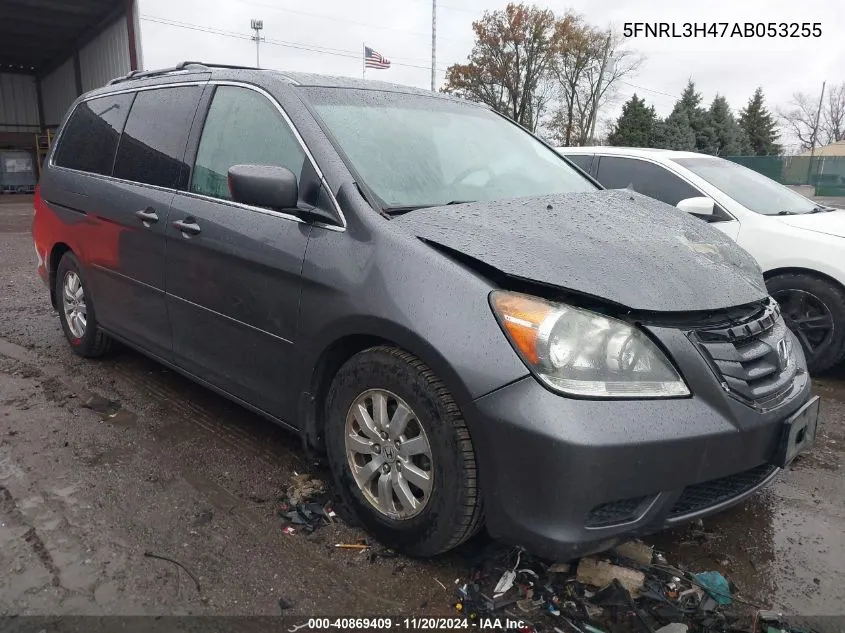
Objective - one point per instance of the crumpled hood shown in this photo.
(614, 244)
(829, 222)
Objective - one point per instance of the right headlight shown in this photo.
(582, 353)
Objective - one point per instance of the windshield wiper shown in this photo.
(787, 213)
(393, 211)
(820, 209)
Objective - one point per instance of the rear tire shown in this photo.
(76, 310)
(449, 511)
(814, 309)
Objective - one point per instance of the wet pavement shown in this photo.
(102, 462)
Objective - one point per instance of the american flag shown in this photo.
(374, 59)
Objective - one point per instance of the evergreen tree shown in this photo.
(760, 127)
(721, 134)
(674, 132)
(634, 126)
(690, 105)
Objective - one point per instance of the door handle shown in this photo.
(147, 216)
(188, 227)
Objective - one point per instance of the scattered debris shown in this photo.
(306, 504)
(149, 554)
(716, 585)
(284, 605)
(599, 573)
(636, 551)
(288, 530)
(351, 545)
(303, 488)
(99, 404)
(630, 589)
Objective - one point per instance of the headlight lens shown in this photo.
(583, 353)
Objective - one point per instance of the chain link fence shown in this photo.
(825, 173)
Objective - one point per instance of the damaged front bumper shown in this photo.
(566, 477)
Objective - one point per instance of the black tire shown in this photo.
(453, 512)
(822, 349)
(94, 342)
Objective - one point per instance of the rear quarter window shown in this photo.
(584, 161)
(91, 135)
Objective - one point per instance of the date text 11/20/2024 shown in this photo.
(409, 624)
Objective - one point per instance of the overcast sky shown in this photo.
(401, 30)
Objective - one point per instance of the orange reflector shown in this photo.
(521, 317)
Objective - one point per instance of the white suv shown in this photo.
(798, 243)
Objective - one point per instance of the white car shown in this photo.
(798, 243)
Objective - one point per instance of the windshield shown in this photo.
(752, 190)
(416, 151)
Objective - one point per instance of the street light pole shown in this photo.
(433, 41)
(257, 26)
(815, 134)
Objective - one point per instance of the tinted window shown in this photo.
(584, 161)
(152, 147)
(646, 178)
(89, 140)
(242, 128)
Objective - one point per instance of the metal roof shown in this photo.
(36, 34)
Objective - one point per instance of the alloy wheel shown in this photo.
(808, 318)
(389, 454)
(73, 304)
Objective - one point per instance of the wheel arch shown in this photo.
(56, 253)
(339, 351)
(775, 272)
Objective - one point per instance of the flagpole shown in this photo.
(364, 60)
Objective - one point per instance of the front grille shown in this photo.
(754, 358)
(716, 491)
(615, 512)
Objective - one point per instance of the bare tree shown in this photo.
(589, 65)
(802, 117)
(579, 47)
(833, 116)
(509, 62)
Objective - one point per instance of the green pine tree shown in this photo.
(634, 126)
(760, 127)
(690, 104)
(674, 132)
(722, 135)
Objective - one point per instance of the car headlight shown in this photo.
(582, 353)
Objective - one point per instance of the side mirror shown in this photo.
(263, 186)
(697, 206)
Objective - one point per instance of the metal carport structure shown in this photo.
(51, 51)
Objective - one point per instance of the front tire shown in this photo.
(814, 309)
(401, 454)
(76, 310)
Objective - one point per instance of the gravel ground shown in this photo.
(171, 469)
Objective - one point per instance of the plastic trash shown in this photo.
(716, 585)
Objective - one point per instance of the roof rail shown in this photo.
(181, 66)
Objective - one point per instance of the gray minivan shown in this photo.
(470, 330)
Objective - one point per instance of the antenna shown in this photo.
(257, 26)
